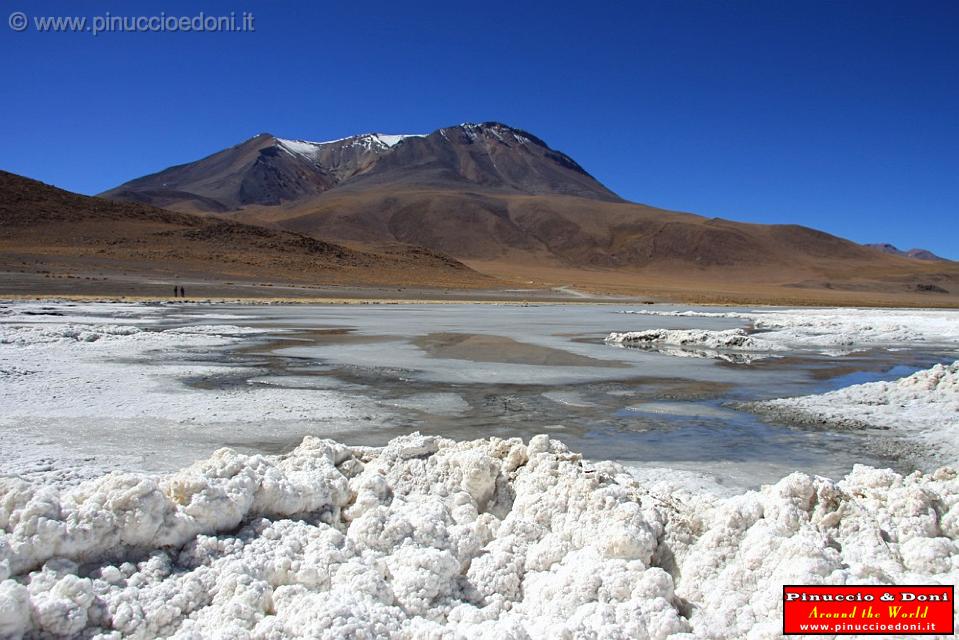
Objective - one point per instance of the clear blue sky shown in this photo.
(839, 115)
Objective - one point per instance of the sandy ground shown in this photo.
(24, 286)
(513, 283)
(727, 287)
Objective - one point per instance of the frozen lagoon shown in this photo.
(477, 537)
(260, 378)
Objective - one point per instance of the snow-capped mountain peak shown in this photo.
(269, 170)
(364, 141)
(496, 130)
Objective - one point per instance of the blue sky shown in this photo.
(838, 115)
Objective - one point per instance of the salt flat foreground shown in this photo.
(429, 537)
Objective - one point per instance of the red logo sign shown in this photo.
(868, 610)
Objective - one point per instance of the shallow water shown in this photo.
(469, 371)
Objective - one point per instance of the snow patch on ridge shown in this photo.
(427, 537)
(473, 131)
(370, 141)
(393, 140)
(300, 147)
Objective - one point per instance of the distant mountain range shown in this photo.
(477, 200)
(918, 254)
(474, 191)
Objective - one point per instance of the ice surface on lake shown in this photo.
(436, 403)
(681, 409)
(81, 383)
(575, 329)
(569, 398)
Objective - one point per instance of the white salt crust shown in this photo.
(826, 331)
(430, 538)
(922, 406)
(117, 382)
(732, 345)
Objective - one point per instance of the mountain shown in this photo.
(918, 254)
(505, 203)
(48, 230)
(267, 170)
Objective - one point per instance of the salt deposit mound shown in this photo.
(699, 343)
(728, 339)
(923, 406)
(838, 330)
(430, 538)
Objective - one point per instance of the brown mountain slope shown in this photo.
(45, 229)
(504, 202)
(564, 230)
(619, 247)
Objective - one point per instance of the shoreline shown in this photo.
(258, 301)
(8, 298)
(565, 288)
